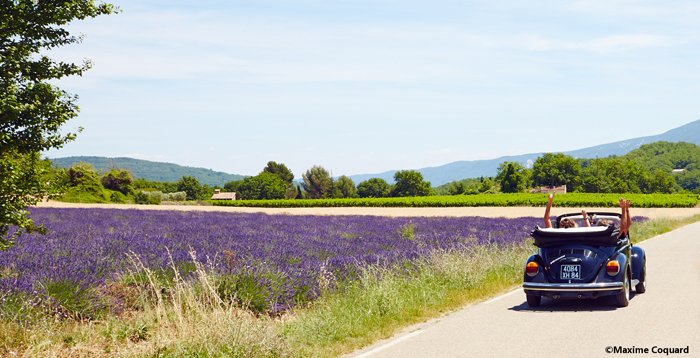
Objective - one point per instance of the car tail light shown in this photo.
(613, 268)
(532, 269)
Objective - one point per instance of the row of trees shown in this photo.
(606, 175)
(275, 182)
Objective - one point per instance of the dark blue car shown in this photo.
(584, 262)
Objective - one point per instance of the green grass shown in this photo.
(175, 318)
(519, 199)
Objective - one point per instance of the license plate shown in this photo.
(570, 272)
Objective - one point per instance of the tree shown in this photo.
(557, 169)
(344, 187)
(318, 183)
(233, 186)
(191, 186)
(118, 180)
(32, 110)
(264, 186)
(410, 183)
(373, 188)
(486, 185)
(280, 170)
(512, 177)
(658, 182)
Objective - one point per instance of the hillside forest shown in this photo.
(648, 169)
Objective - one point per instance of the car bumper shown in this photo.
(573, 287)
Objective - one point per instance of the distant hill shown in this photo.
(450, 172)
(152, 171)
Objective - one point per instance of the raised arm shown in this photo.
(547, 222)
(586, 223)
(625, 220)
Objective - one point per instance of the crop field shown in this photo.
(518, 199)
(270, 262)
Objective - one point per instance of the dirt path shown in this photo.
(508, 212)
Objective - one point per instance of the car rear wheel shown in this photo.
(623, 298)
(641, 287)
(533, 301)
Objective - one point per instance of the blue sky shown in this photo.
(369, 86)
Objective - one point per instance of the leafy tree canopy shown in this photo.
(318, 183)
(555, 170)
(191, 186)
(410, 183)
(280, 170)
(264, 186)
(32, 110)
(373, 188)
(512, 177)
(118, 180)
(344, 187)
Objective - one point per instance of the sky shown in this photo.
(362, 87)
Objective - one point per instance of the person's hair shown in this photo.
(567, 223)
(603, 222)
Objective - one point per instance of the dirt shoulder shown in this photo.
(493, 212)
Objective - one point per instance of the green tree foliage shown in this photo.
(318, 183)
(191, 186)
(32, 110)
(285, 174)
(300, 193)
(512, 177)
(612, 175)
(486, 186)
(280, 170)
(83, 185)
(555, 170)
(165, 187)
(666, 156)
(410, 183)
(373, 188)
(118, 180)
(232, 186)
(344, 187)
(658, 182)
(264, 186)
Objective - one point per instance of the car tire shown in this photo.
(623, 298)
(533, 301)
(641, 287)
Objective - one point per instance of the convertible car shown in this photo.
(584, 262)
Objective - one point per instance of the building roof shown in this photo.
(224, 196)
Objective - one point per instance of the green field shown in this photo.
(519, 199)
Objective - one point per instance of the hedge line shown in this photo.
(519, 199)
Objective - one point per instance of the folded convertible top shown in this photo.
(599, 236)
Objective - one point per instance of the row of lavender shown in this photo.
(274, 258)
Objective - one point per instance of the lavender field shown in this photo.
(273, 262)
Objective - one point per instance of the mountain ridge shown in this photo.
(151, 171)
(459, 170)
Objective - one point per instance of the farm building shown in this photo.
(218, 195)
(549, 189)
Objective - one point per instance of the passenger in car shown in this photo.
(564, 223)
(625, 218)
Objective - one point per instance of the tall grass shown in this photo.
(186, 317)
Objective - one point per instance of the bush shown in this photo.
(117, 198)
(148, 197)
(176, 196)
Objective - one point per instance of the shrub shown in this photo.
(118, 198)
(176, 196)
(148, 197)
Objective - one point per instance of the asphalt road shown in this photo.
(666, 316)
